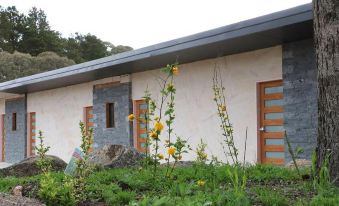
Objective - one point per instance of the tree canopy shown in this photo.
(27, 37)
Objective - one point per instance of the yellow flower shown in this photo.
(201, 183)
(161, 156)
(131, 117)
(175, 70)
(222, 108)
(154, 135)
(171, 150)
(158, 126)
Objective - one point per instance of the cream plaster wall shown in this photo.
(196, 115)
(59, 111)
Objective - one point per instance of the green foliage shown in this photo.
(54, 192)
(17, 65)
(225, 123)
(321, 200)
(271, 198)
(43, 163)
(83, 169)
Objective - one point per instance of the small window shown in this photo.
(14, 122)
(109, 115)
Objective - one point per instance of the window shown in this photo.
(110, 115)
(14, 122)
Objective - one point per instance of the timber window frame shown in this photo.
(110, 115)
(14, 118)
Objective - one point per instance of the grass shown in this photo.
(266, 185)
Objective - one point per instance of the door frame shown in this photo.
(259, 159)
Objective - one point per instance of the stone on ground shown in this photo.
(115, 156)
(300, 163)
(29, 167)
(10, 200)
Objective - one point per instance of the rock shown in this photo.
(300, 163)
(10, 200)
(115, 156)
(17, 191)
(29, 167)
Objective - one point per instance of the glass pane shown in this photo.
(143, 106)
(33, 130)
(275, 154)
(144, 135)
(142, 116)
(274, 128)
(33, 123)
(91, 120)
(274, 141)
(142, 126)
(272, 90)
(274, 102)
(143, 145)
(90, 111)
(274, 115)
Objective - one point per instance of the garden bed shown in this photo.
(265, 185)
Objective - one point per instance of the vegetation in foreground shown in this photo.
(199, 184)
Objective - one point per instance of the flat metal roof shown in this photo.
(265, 31)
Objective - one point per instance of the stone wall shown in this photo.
(15, 141)
(121, 133)
(300, 96)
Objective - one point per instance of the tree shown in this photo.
(32, 34)
(11, 24)
(38, 36)
(17, 65)
(326, 39)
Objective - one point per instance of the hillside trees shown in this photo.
(32, 34)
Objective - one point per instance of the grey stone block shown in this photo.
(300, 95)
(15, 141)
(121, 133)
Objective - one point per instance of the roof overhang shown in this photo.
(277, 28)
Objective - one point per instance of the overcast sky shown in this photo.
(140, 23)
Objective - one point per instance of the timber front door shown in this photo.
(271, 129)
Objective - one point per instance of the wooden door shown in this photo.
(140, 127)
(88, 118)
(271, 129)
(31, 133)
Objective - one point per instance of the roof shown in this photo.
(261, 32)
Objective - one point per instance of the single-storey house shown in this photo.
(268, 70)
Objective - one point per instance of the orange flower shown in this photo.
(131, 117)
(175, 70)
(171, 151)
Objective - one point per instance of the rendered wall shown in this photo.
(58, 113)
(300, 96)
(196, 116)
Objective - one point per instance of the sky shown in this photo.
(140, 23)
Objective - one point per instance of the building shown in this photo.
(268, 67)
